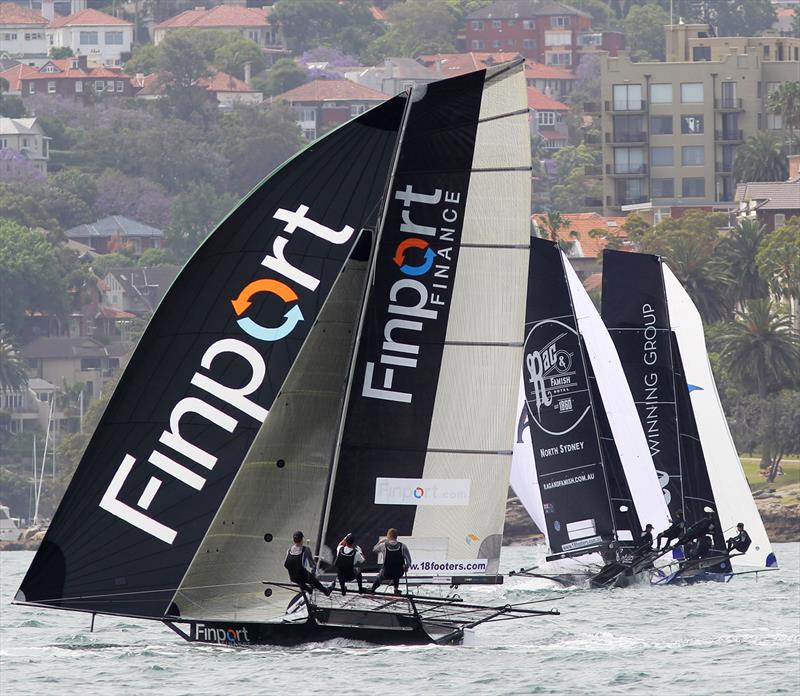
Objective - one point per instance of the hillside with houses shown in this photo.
(129, 131)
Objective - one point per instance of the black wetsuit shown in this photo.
(346, 568)
(644, 545)
(702, 548)
(674, 531)
(396, 561)
(741, 542)
(296, 562)
(698, 530)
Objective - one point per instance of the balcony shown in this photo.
(728, 136)
(728, 104)
(632, 200)
(723, 167)
(593, 170)
(626, 169)
(631, 106)
(625, 137)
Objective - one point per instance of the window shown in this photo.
(692, 93)
(728, 95)
(557, 38)
(12, 36)
(511, 22)
(527, 24)
(24, 142)
(33, 36)
(701, 53)
(78, 86)
(546, 118)
(253, 36)
(551, 58)
(629, 160)
(497, 24)
(661, 157)
(31, 88)
(509, 42)
(661, 93)
(49, 69)
(628, 129)
(51, 86)
(99, 85)
(90, 364)
(3, 143)
(691, 125)
(88, 38)
(661, 125)
(692, 155)
(528, 43)
(694, 187)
(476, 45)
(356, 109)
(663, 188)
(627, 97)
(120, 86)
(477, 25)
(497, 43)
(559, 21)
(306, 115)
(766, 51)
(774, 121)
(114, 38)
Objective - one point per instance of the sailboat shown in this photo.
(338, 356)
(658, 334)
(588, 457)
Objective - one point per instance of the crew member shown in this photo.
(645, 543)
(741, 542)
(674, 531)
(300, 564)
(396, 560)
(699, 529)
(702, 548)
(348, 558)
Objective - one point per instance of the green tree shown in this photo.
(347, 25)
(417, 27)
(571, 193)
(59, 52)
(157, 257)
(180, 64)
(144, 59)
(281, 77)
(232, 55)
(81, 185)
(740, 17)
(778, 423)
(644, 32)
(116, 259)
(738, 251)
(760, 158)
(195, 214)
(12, 369)
(32, 276)
(553, 224)
(11, 106)
(778, 262)
(786, 101)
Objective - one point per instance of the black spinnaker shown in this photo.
(204, 376)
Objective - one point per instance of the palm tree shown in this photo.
(738, 252)
(786, 101)
(12, 371)
(553, 222)
(760, 159)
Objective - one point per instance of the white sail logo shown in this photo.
(173, 442)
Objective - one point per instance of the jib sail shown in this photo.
(426, 443)
(204, 377)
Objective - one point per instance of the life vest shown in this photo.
(294, 564)
(345, 559)
(393, 561)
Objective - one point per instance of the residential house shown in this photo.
(394, 76)
(72, 360)
(452, 64)
(549, 79)
(225, 89)
(68, 77)
(103, 235)
(251, 22)
(584, 238)
(323, 104)
(28, 408)
(104, 39)
(26, 136)
(22, 32)
(550, 119)
(136, 289)
(772, 203)
(545, 31)
(672, 129)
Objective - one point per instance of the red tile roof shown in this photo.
(377, 14)
(451, 64)
(16, 74)
(534, 70)
(11, 13)
(219, 16)
(541, 102)
(331, 90)
(87, 18)
(583, 223)
(222, 82)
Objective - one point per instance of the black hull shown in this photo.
(408, 631)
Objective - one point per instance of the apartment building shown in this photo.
(671, 129)
(21, 31)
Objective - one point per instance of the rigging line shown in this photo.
(507, 114)
(484, 344)
(472, 245)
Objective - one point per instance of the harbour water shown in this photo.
(739, 638)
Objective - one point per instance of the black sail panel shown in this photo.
(634, 309)
(564, 435)
(201, 381)
(397, 368)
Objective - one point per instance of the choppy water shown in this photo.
(740, 638)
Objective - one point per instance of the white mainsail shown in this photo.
(731, 491)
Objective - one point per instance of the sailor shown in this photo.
(674, 531)
(698, 529)
(396, 560)
(702, 548)
(348, 558)
(300, 564)
(645, 543)
(741, 542)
